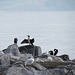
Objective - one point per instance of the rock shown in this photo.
(25, 56)
(57, 71)
(3, 70)
(32, 70)
(1, 73)
(54, 71)
(51, 58)
(65, 70)
(31, 49)
(65, 57)
(44, 72)
(5, 60)
(21, 71)
(14, 71)
(44, 56)
(49, 64)
(38, 60)
(53, 65)
(73, 60)
(73, 71)
(38, 66)
(12, 49)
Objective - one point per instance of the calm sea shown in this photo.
(51, 29)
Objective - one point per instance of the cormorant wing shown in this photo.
(32, 41)
(24, 41)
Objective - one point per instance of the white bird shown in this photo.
(29, 61)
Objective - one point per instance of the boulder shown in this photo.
(38, 66)
(21, 71)
(73, 60)
(62, 70)
(41, 68)
(65, 57)
(3, 70)
(31, 49)
(5, 60)
(12, 49)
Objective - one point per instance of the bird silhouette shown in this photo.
(30, 41)
(50, 52)
(53, 53)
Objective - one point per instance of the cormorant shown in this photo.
(15, 40)
(55, 51)
(50, 52)
(30, 41)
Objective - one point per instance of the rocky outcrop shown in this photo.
(5, 60)
(66, 70)
(65, 57)
(17, 67)
(12, 49)
(31, 49)
(13, 62)
(38, 66)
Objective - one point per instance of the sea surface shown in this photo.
(51, 29)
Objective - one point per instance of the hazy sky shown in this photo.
(21, 5)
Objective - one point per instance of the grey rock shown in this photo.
(73, 60)
(24, 57)
(41, 68)
(44, 72)
(38, 66)
(21, 71)
(14, 71)
(65, 57)
(29, 70)
(73, 71)
(12, 49)
(31, 49)
(5, 60)
(57, 72)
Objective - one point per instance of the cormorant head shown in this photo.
(50, 52)
(15, 40)
(28, 36)
(56, 50)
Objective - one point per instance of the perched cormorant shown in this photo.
(30, 41)
(50, 52)
(15, 40)
(55, 51)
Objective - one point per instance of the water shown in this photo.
(51, 29)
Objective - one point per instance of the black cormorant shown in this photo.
(50, 52)
(30, 41)
(55, 51)
(15, 40)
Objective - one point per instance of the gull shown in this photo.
(29, 61)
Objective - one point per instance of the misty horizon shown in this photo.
(37, 5)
